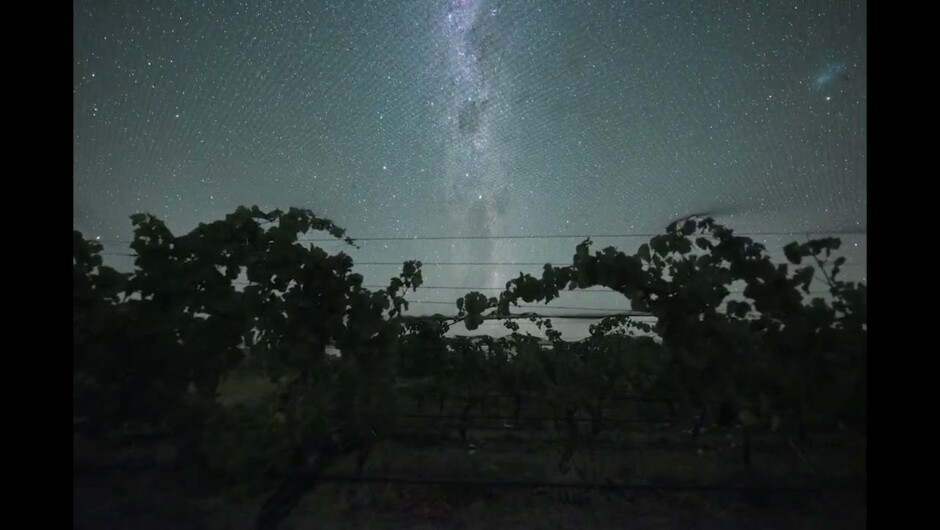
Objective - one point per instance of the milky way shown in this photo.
(474, 177)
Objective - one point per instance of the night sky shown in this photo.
(406, 118)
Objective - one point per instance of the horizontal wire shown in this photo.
(455, 263)
(547, 236)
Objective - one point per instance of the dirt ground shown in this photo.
(137, 491)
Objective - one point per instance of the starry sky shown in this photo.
(404, 119)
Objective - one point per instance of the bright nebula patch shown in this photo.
(829, 74)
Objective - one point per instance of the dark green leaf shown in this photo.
(793, 253)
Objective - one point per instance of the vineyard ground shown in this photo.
(135, 487)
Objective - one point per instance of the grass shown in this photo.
(235, 390)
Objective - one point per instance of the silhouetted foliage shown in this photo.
(151, 348)
(770, 358)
